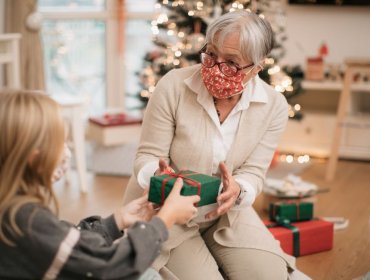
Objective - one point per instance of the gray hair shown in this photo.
(255, 34)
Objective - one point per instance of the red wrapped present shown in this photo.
(115, 120)
(303, 238)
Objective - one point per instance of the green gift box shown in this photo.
(205, 186)
(293, 211)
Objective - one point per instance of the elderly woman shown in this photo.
(218, 118)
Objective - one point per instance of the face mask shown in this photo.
(219, 85)
(63, 166)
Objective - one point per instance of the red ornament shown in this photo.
(323, 51)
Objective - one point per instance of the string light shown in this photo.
(144, 93)
(291, 158)
(199, 5)
(172, 25)
(155, 30)
(274, 70)
(162, 18)
(151, 89)
(269, 61)
(293, 110)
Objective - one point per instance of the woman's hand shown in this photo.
(163, 168)
(139, 209)
(229, 195)
(178, 209)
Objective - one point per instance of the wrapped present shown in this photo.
(114, 129)
(117, 119)
(268, 199)
(207, 187)
(303, 238)
(293, 211)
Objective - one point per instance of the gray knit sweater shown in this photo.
(51, 249)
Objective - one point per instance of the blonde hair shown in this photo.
(256, 37)
(32, 137)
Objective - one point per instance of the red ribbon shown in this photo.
(188, 181)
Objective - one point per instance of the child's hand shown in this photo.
(139, 209)
(178, 209)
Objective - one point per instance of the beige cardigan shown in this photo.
(176, 128)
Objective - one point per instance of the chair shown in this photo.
(353, 66)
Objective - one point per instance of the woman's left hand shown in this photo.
(229, 194)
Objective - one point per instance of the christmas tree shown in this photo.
(179, 34)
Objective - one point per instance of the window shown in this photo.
(74, 56)
(80, 39)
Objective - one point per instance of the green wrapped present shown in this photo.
(194, 184)
(293, 211)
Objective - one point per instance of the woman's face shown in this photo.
(229, 52)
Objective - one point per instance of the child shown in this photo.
(34, 244)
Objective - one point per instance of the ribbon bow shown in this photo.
(183, 176)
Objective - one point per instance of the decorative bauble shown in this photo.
(34, 21)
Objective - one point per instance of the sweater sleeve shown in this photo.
(256, 165)
(89, 250)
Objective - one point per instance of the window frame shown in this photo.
(114, 72)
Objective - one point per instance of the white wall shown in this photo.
(2, 23)
(346, 31)
(2, 15)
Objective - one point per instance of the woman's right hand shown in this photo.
(163, 167)
(178, 209)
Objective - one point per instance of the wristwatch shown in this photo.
(241, 196)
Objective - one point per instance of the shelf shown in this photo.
(313, 135)
(332, 86)
(9, 37)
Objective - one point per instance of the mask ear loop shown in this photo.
(250, 70)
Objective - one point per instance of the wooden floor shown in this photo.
(349, 197)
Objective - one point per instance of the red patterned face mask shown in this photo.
(219, 85)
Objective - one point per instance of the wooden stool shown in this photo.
(353, 66)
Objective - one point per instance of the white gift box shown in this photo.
(113, 135)
(113, 160)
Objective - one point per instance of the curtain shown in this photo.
(31, 54)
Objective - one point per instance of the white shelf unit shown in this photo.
(9, 57)
(313, 134)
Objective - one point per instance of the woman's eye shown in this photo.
(233, 63)
(212, 54)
